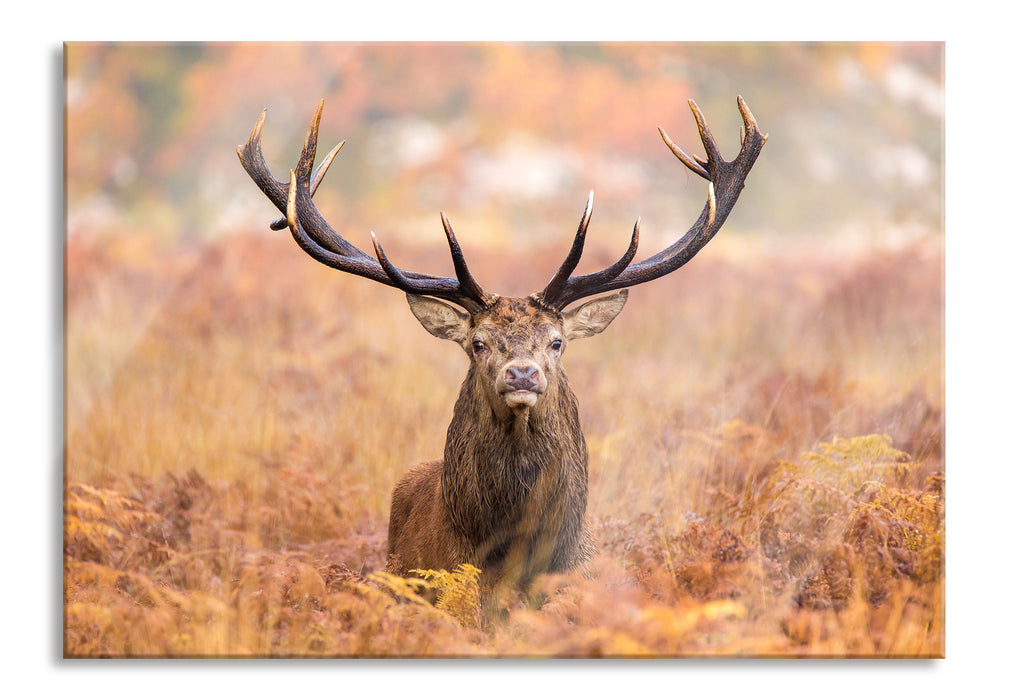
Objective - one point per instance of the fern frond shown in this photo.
(403, 588)
(458, 591)
(850, 462)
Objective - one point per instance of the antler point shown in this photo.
(447, 227)
(256, 134)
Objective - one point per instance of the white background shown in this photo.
(976, 344)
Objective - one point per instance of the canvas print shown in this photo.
(469, 350)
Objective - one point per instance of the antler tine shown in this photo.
(710, 147)
(586, 282)
(467, 283)
(725, 182)
(251, 156)
(317, 176)
(317, 238)
(443, 287)
(625, 260)
(307, 159)
(682, 155)
(399, 279)
(749, 128)
(560, 278)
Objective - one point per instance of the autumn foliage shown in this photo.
(228, 478)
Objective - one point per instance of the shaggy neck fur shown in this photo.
(517, 476)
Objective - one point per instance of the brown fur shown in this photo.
(509, 495)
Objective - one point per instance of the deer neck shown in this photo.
(505, 457)
(480, 421)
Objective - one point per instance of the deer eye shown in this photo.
(556, 345)
(479, 346)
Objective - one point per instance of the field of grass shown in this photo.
(765, 426)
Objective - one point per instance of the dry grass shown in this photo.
(237, 416)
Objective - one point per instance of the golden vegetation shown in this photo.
(766, 457)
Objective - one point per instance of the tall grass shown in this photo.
(237, 416)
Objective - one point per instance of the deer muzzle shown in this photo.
(520, 383)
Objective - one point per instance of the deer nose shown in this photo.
(518, 378)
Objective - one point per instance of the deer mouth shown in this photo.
(520, 398)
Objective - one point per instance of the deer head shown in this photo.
(515, 345)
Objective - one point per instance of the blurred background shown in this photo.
(508, 138)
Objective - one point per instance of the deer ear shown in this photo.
(439, 319)
(593, 316)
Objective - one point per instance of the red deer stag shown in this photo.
(509, 494)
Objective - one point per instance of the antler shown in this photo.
(317, 238)
(725, 182)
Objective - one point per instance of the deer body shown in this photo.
(509, 495)
(510, 492)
